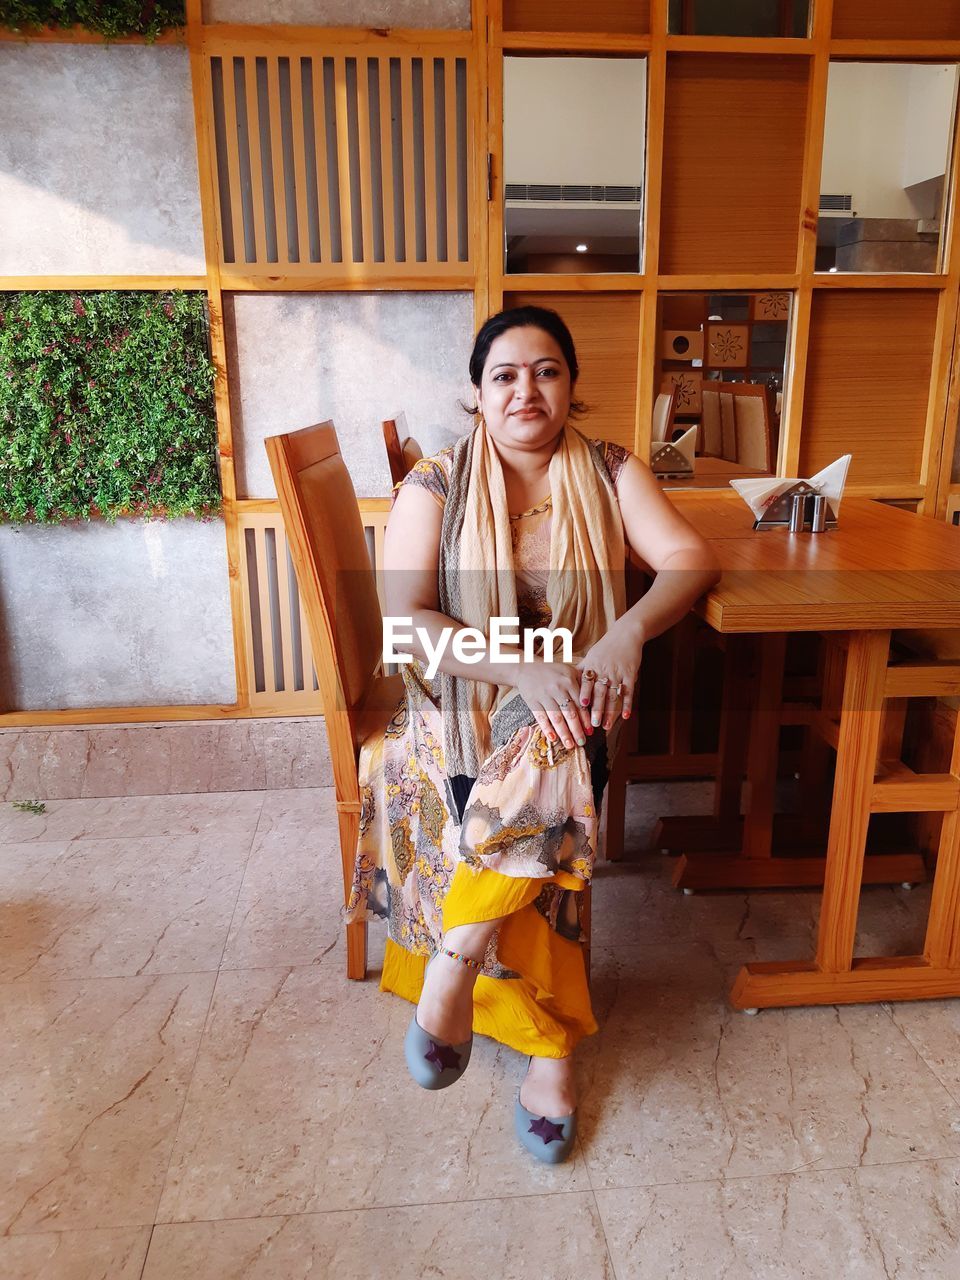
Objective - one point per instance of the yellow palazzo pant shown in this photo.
(544, 1012)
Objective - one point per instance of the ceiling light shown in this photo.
(581, 248)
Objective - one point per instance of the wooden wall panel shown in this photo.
(732, 163)
(348, 167)
(895, 20)
(622, 17)
(868, 382)
(606, 332)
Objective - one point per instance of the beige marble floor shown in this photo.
(191, 1089)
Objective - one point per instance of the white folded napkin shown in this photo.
(762, 495)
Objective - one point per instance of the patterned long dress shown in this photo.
(518, 841)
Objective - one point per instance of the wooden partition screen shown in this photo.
(366, 159)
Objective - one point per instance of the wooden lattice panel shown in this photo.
(276, 636)
(348, 165)
(732, 163)
(895, 20)
(606, 333)
(868, 382)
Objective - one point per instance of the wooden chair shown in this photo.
(402, 450)
(712, 429)
(339, 594)
(752, 425)
(728, 424)
(664, 412)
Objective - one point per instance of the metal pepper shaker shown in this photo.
(819, 514)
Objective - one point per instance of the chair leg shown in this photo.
(349, 824)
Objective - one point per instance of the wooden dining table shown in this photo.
(880, 570)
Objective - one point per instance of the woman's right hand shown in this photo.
(552, 692)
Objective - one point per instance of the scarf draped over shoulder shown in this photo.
(585, 584)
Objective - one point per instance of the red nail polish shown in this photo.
(590, 730)
(584, 702)
(626, 715)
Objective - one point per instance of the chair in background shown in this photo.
(711, 427)
(752, 425)
(402, 450)
(728, 424)
(339, 594)
(664, 412)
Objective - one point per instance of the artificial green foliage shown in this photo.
(30, 806)
(110, 18)
(106, 406)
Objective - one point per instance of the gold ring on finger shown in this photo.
(590, 675)
(561, 705)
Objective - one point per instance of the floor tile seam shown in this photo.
(146, 1253)
(203, 1030)
(179, 973)
(803, 1171)
(585, 1193)
(948, 1089)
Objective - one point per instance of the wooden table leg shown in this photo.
(834, 977)
(763, 753)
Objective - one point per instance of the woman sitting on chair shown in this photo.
(480, 803)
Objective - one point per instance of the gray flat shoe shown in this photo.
(548, 1140)
(431, 1062)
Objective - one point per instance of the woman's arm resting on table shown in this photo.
(684, 565)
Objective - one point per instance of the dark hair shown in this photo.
(524, 318)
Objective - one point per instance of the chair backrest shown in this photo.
(712, 429)
(752, 414)
(337, 582)
(664, 411)
(402, 450)
(728, 424)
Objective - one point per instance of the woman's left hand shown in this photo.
(614, 663)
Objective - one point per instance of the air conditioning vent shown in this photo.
(837, 206)
(570, 193)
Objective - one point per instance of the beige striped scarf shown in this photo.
(585, 586)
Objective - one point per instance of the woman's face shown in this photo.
(524, 394)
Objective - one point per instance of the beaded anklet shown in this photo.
(455, 955)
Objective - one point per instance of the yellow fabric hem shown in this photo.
(547, 1010)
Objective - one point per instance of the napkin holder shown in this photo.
(801, 496)
(674, 458)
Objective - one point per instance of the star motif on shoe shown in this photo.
(443, 1056)
(547, 1130)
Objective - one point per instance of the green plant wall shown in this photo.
(110, 18)
(106, 406)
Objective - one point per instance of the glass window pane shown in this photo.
(721, 368)
(572, 184)
(739, 17)
(886, 151)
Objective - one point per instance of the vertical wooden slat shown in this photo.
(406, 132)
(299, 166)
(247, 601)
(386, 161)
(365, 157)
(232, 133)
(320, 141)
(266, 620)
(276, 151)
(453, 158)
(942, 945)
(256, 161)
(429, 157)
(283, 591)
(343, 160)
(852, 790)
